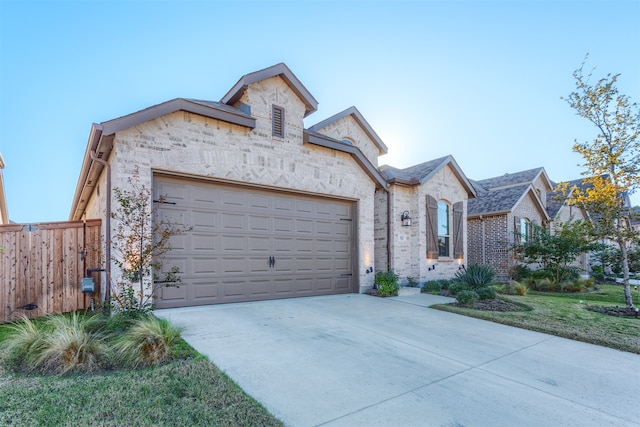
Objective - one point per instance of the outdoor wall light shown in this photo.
(406, 219)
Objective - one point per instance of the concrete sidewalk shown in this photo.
(355, 360)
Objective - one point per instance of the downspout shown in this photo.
(107, 291)
(388, 230)
(484, 257)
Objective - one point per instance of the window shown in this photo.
(277, 121)
(525, 230)
(347, 141)
(443, 229)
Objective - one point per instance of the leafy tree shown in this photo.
(138, 242)
(556, 248)
(612, 162)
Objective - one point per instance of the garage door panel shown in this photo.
(236, 230)
(203, 220)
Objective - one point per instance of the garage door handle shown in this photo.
(272, 261)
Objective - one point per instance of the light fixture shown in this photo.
(406, 219)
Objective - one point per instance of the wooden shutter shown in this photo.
(277, 121)
(458, 231)
(432, 228)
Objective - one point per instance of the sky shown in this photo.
(480, 80)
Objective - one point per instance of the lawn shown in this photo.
(186, 392)
(567, 315)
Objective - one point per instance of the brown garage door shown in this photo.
(251, 244)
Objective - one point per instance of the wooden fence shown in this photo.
(42, 266)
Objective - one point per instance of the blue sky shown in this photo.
(480, 80)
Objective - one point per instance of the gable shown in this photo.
(350, 125)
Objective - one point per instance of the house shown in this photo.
(4, 214)
(276, 210)
(421, 220)
(503, 213)
(562, 212)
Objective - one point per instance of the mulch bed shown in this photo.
(614, 311)
(491, 305)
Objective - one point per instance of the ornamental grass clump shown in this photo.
(147, 342)
(58, 345)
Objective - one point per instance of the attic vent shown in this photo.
(100, 154)
(277, 121)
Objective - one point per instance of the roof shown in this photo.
(279, 70)
(421, 173)
(359, 118)
(517, 178)
(502, 200)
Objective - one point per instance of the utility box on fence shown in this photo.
(88, 285)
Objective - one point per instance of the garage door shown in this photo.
(251, 244)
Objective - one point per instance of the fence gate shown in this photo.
(42, 266)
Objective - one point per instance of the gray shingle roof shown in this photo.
(413, 173)
(510, 179)
(494, 201)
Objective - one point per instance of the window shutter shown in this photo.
(277, 121)
(458, 231)
(516, 230)
(432, 228)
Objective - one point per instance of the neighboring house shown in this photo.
(277, 210)
(503, 213)
(4, 214)
(562, 212)
(432, 243)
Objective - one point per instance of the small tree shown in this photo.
(138, 242)
(557, 248)
(612, 160)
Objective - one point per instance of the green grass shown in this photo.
(566, 315)
(187, 391)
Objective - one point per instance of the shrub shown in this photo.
(412, 282)
(486, 293)
(387, 283)
(147, 342)
(467, 297)
(520, 271)
(432, 286)
(456, 287)
(476, 275)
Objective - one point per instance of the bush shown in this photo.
(456, 287)
(486, 293)
(387, 283)
(432, 287)
(412, 282)
(476, 275)
(148, 342)
(519, 272)
(467, 297)
(518, 288)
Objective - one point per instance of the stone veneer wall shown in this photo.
(193, 145)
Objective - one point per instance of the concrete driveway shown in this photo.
(357, 360)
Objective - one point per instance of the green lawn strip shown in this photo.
(183, 392)
(187, 391)
(566, 315)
